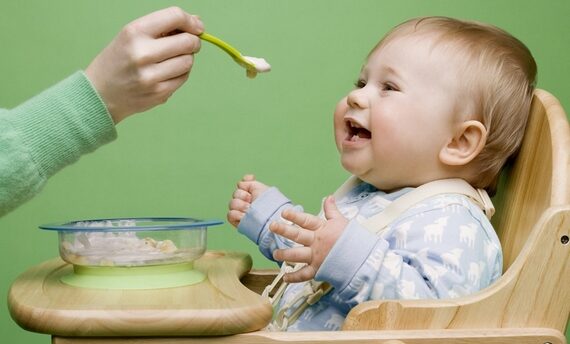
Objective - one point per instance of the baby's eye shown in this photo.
(360, 83)
(388, 86)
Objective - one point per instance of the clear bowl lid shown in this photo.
(131, 224)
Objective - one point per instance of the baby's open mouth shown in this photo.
(355, 132)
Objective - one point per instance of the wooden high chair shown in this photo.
(530, 303)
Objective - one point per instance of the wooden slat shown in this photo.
(474, 336)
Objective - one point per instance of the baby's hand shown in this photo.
(146, 62)
(248, 189)
(315, 234)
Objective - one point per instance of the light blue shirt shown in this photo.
(443, 247)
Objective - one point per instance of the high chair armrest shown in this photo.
(401, 315)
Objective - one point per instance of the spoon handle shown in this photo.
(233, 52)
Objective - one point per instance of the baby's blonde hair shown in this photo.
(499, 79)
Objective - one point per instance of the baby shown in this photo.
(439, 101)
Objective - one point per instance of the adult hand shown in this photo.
(146, 62)
(317, 236)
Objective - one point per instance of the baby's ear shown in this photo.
(467, 143)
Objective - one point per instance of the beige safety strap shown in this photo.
(425, 191)
(375, 224)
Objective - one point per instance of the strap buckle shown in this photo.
(292, 310)
(278, 281)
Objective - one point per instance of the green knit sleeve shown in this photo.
(47, 133)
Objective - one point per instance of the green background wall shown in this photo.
(184, 158)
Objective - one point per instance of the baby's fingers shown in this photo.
(240, 205)
(304, 220)
(292, 232)
(248, 178)
(306, 273)
(234, 217)
(247, 186)
(300, 254)
(243, 195)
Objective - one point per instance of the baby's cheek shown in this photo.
(338, 122)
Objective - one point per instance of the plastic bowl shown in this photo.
(130, 242)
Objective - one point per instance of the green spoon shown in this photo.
(252, 65)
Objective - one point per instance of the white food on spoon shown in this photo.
(261, 66)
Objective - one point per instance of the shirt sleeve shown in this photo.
(444, 252)
(46, 133)
(266, 209)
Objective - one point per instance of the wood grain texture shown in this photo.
(39, 302)
(475, 336)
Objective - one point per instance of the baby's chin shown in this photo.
(353, 168)
(369, 176)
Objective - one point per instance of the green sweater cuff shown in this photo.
(62, 123)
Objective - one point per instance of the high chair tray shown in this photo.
(219, 305)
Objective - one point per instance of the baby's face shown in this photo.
(390, 128)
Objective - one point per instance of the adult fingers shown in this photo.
(165, 89)
(159, 23)
(174, 45)
(295, 255)
(304, 220)
(292, 232)
(158, 93)
(170, 69)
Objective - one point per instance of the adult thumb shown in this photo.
(330, 208)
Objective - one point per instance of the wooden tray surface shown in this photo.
(219, 305)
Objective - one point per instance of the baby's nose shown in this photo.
(357, 99)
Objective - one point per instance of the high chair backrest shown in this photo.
(538, 178)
